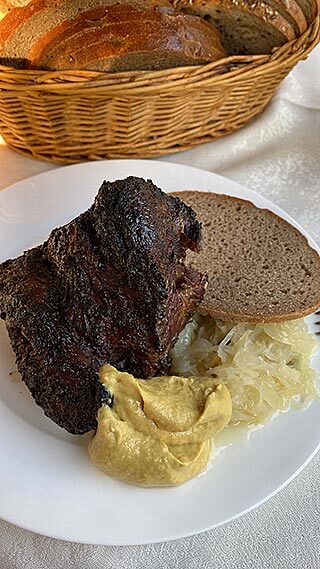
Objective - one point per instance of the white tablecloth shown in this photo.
(277, 155)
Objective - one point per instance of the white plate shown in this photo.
(47, 483)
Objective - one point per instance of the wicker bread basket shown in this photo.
(67, 117)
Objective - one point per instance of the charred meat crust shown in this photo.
(110, 286)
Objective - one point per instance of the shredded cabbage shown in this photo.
(265, 366)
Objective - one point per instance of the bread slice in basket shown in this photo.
(260, 268)
(103, 35)
(291, 11)
(309, 8)
(246, 26)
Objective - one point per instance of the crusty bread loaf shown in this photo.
(260, 267)
(246, 27)
(105, 35)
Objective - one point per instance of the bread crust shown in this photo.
(283, 227)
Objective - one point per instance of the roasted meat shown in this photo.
(110, 286)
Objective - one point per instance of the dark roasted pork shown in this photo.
(110, 286)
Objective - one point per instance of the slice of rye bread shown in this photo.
(291, 11)
(246, 27)
(260, 268)
(106, 35)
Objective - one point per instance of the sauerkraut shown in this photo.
(265, 366)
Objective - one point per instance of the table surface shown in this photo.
(278, 155)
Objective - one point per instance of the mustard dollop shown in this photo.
(158, 431)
